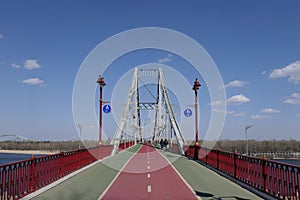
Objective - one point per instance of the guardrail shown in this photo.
(125, 145)
(21, 178)
(277, 179)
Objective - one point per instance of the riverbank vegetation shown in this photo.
(259, 146)
(225, 145)
(46, 145)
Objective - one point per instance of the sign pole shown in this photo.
(101, 83)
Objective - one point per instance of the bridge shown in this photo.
(140, 167)
(277, 155)
(14, 137)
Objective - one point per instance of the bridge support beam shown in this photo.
(130, 110)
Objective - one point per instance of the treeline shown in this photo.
(46, 145)
(259, 146)
(225, 145)
(254, 146)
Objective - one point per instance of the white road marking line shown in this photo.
(59, 181)
(191, 189)
(148, 175)
(149, 188)
(115, 178)
(148, 167)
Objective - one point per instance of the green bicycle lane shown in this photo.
(92, 182)
(206, 183)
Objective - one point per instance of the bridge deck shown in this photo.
(144, 172)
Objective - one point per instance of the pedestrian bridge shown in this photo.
(135, 167)
(145, 172)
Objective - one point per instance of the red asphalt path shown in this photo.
(148, 175)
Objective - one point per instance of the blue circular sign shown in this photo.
(188, 112)
(106, 108)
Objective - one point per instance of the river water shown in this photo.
(12, 157)
(292, 162)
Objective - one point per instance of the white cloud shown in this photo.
(238, 99)
(31, 64)
(229, 112)
(260, 116)
(239, 114)
(15, 66)
(270, 110)
(292, 71)
(223, 111)
(1, 36)
(166, 59)
(235, 83)
(216, 103)
(33, 81)
(263, 72)
(293, 99)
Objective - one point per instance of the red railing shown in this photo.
(126, 145)
(277, 179)
(173, 147)
(21, 178)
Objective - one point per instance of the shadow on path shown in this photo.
(208, 195)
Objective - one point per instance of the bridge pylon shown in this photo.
(129, 126)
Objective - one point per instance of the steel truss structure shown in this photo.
(129, 127)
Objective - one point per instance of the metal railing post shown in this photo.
(32, 172)
(265, 174)
(235, 155)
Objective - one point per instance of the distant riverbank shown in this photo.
(289, 161)
(35, 152)
(46, 147)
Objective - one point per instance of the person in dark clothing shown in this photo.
(166, 143)
(161, 143)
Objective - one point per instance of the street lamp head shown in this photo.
(247, 127)
(100, 81)
(196, 85)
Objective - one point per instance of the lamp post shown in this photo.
(101, 83)
(196, 88)
(246, 129)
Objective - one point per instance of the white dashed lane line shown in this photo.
(149, 188)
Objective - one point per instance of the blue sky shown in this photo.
(255, 45)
